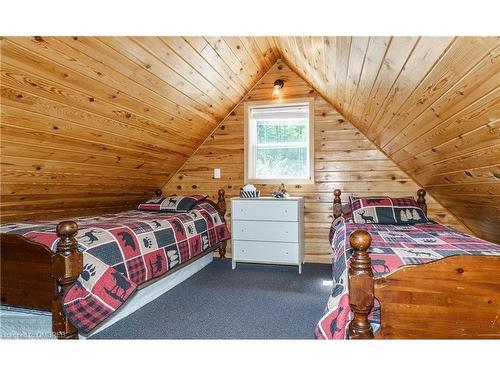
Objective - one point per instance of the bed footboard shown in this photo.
(34, 277)
(451, 298)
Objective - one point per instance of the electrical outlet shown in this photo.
(217, 173)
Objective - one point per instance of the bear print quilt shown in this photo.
(124, 250)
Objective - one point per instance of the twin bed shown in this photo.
(397, 274)
(88, 271)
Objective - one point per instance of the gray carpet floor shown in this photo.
(251, 302)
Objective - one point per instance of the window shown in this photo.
(278, 142)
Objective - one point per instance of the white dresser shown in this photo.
(268, 230)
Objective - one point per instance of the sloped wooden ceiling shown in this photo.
(91, 125)
(431, 104)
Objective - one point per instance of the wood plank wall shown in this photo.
(344, 159)
(432, 104)
(92, 125)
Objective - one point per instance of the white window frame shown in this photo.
(249, 147)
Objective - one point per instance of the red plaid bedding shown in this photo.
(392, 246)
(122, 251)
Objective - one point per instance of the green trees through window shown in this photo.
(278, 141)
(282, 148)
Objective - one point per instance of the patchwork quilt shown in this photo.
(122, 251)
(393, 246)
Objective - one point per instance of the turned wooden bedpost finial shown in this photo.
(67, 264)
(158, 193)
(361, 286)
(421, 200)
(337, 204)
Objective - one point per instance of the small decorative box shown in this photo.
(249, 194)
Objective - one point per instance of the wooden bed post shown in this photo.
(158, 193)
(421, 200)
(221, 202)
(361, 286)
(337, 204)
(221, 207)
(67, 264)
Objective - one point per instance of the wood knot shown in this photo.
(39, 38)
(460, 270)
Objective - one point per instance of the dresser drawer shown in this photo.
(275, 210)
(280, 231)
(266, 252)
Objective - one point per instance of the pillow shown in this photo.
(347, 212)
(386, 210)
(172, 203)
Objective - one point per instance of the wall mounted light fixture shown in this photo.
(278, 85)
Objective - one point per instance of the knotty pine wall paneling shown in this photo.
(344, 158)
(96, 124)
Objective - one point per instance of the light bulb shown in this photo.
(277, 91)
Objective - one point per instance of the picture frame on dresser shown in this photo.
(268, 230)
